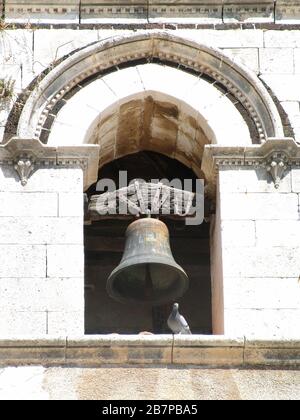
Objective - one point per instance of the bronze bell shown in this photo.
(147, 272)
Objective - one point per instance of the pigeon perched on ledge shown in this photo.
(177, 322)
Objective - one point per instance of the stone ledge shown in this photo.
(268, 352)
(198, 350)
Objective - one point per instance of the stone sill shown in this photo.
(200, 350)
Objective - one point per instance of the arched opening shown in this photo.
(151, 92)
(104, 245)
(127, 50)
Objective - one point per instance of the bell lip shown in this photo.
(110, 281)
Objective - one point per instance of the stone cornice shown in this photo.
(93, 11)
(151, 11)
(201, 350)
(27, 155)
(275, 155)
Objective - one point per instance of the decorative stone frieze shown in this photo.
(27, 155)
(275, 156)
(142, 11)
(105, 11)
(287, 11)
(42, 11)
(248, 11)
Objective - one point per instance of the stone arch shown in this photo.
(137, 108)
(126, 50)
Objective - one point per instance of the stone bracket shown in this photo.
(27, 155)
(277, 165)
(24, 166)
(275, 155)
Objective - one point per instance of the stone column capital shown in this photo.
(276, 155)
(26, 155)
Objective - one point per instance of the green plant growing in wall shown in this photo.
(7, 87)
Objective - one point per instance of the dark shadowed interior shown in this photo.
(104, 245)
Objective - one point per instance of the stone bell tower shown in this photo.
(188, 89)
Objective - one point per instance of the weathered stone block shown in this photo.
(261, 293)
(41, 294)
(292, 110)
(22, 323)
(261, 262)
(283, 38)
(41, 230)
(272, 352)
(22, 260)
(65, 261)
(231, 38)
(270, 323)
(252, 180)
(297, 60)
(65, 322)
(248, 11)
(97, 11)
(246, 56)
(35, 11)
(287, 11)
(259, 206)
(119, 349)
(276, 60)
(278, 233)
(70, 204)
(28, 204)
(213, 351)
(238, 233)
(190, 11)
(42, 180)
(16, 350)
(283, 87)
(296, 180)
(52, 44)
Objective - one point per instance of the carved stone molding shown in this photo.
(275, 156)
(127, 48)
(276, 165)
(27, 155)
(24, 166)
(130, 11)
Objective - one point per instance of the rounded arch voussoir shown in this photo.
(109, 54)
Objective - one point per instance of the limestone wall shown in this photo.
(261, 248)
(41, 243)
(41, 259)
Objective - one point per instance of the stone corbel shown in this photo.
(277, 165)
(276, 156)
(24, 166)
(27, 155)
